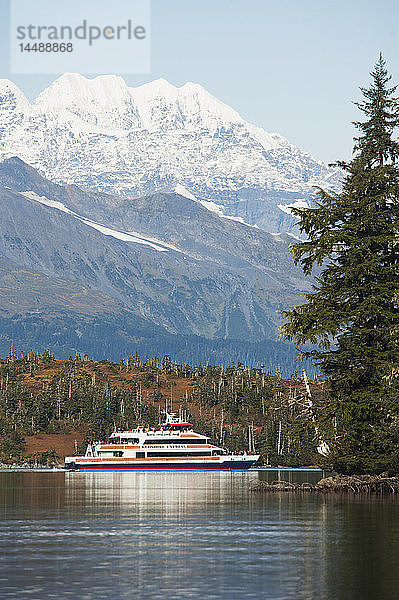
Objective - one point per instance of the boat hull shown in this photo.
(236, 465)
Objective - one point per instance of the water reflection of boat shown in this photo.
(170, 447)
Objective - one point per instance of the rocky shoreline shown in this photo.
(28, 465)
(348, 484)
(354, 484)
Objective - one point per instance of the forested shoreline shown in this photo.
(238, 406)
(347, 326)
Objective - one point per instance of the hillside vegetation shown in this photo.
(50, 408)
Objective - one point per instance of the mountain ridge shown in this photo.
(103, 135)
(165, 266)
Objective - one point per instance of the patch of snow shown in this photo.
(294, 236)
(277, 237)
(213, 207)
(297, 204)
(238, 219)
(155, 241)
(120, 235)
(47, 202)
(181, 190)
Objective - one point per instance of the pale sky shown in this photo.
(290, 66)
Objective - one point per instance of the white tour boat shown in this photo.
(172, 446)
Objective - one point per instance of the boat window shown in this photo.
(118, 453)
(186, 454)
(153, 442)
(129, 440)
(175, 441)
(140, 454)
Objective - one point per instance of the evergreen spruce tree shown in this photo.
(352, 312)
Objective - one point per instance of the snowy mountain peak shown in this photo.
(181, 190)
(80, 85)
(163, 105)
(7, 86)
(10, 93)
(72, 89)
(13, 106)
(157, 105)
(102, 134)
(104, 101)
(158, 87)
(206, 103)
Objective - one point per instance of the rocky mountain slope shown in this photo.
(100, 134)
(150, 268)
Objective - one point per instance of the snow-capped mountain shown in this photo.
(14, 107)
(102, 134)
(161, 270)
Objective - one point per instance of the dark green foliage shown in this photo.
(226, 403)
(116, 336)
(12, 445)
(47, 458)
(284, 433)
(352, 314)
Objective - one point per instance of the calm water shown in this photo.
(184, 536)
